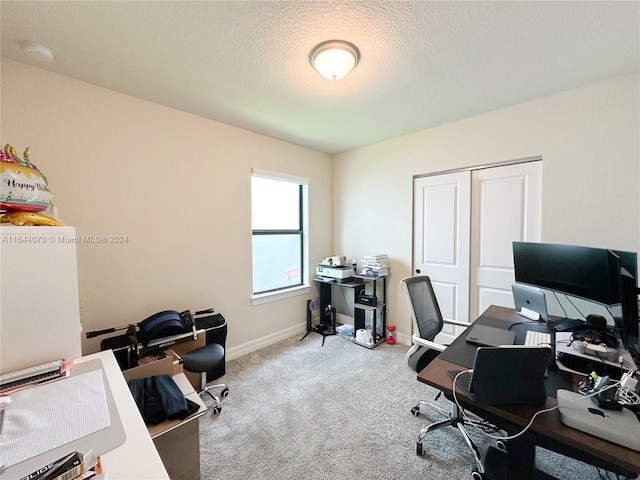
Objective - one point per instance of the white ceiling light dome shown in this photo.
(334, 58)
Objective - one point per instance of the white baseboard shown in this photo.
(255, 345)
(344, 319)
(403, 339)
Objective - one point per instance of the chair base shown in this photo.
(416, 411)
(454, 419)
(204, 388)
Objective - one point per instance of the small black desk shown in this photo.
(358, 286)
(547, 431)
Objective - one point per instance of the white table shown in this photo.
(125, 447)
(137, 457)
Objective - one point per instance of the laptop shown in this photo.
(506, 375)
(485, 336)
(529, 302)
(579, 412)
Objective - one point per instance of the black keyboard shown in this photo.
(565, 324)
(463, 381)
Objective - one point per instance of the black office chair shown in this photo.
(427, 322)
(200, 361)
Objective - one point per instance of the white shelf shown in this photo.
(368, 307)
(366, 345)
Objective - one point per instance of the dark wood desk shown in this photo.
(547, 431)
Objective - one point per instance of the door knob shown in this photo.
(417, 270)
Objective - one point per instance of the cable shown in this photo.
(511, 437)
(626, 396)
(350, 311)
(522, 323)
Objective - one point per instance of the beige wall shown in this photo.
(176, 185)
(588, 139)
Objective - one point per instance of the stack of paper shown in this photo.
(375, 266)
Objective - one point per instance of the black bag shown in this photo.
(594, 334)
(158, 398)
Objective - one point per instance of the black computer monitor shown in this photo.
(585, 272)
(628, 326)
(629, 261)
(605, 276)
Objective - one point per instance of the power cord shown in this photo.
(522, 323)
(535, 415)
(350, 308)
(626, 395)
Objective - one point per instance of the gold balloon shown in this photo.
(21, 219)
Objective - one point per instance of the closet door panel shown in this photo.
(505, 208)
(464, 226)
(441, 242)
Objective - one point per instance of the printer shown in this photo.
(337, 272)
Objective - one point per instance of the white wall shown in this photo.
(588, 139)
(176, 185)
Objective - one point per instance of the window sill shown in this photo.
(279, 295)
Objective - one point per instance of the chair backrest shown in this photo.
(424, 308)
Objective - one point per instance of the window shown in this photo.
(279, 240)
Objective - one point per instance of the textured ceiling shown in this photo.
(245, 63)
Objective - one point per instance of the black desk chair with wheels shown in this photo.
(427, 322)
(200, 361)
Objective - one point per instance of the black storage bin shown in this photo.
(121, 350)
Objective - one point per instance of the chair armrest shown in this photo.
(427, 343)
(457, 323)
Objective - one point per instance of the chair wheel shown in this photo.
(415, 411)
(501, 445)
(216, 410)
(224, 393)
(419, 450)
(476, 475)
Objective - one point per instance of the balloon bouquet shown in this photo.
(24, 191)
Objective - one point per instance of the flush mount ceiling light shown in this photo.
(38, 52)
(334, 58)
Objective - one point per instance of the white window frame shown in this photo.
(305, 288)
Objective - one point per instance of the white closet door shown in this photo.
(441, 242)
(464, 225)
(506, 207)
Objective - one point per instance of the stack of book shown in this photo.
(74, 466)
(375, 266)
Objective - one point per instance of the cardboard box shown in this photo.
(177, 441)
